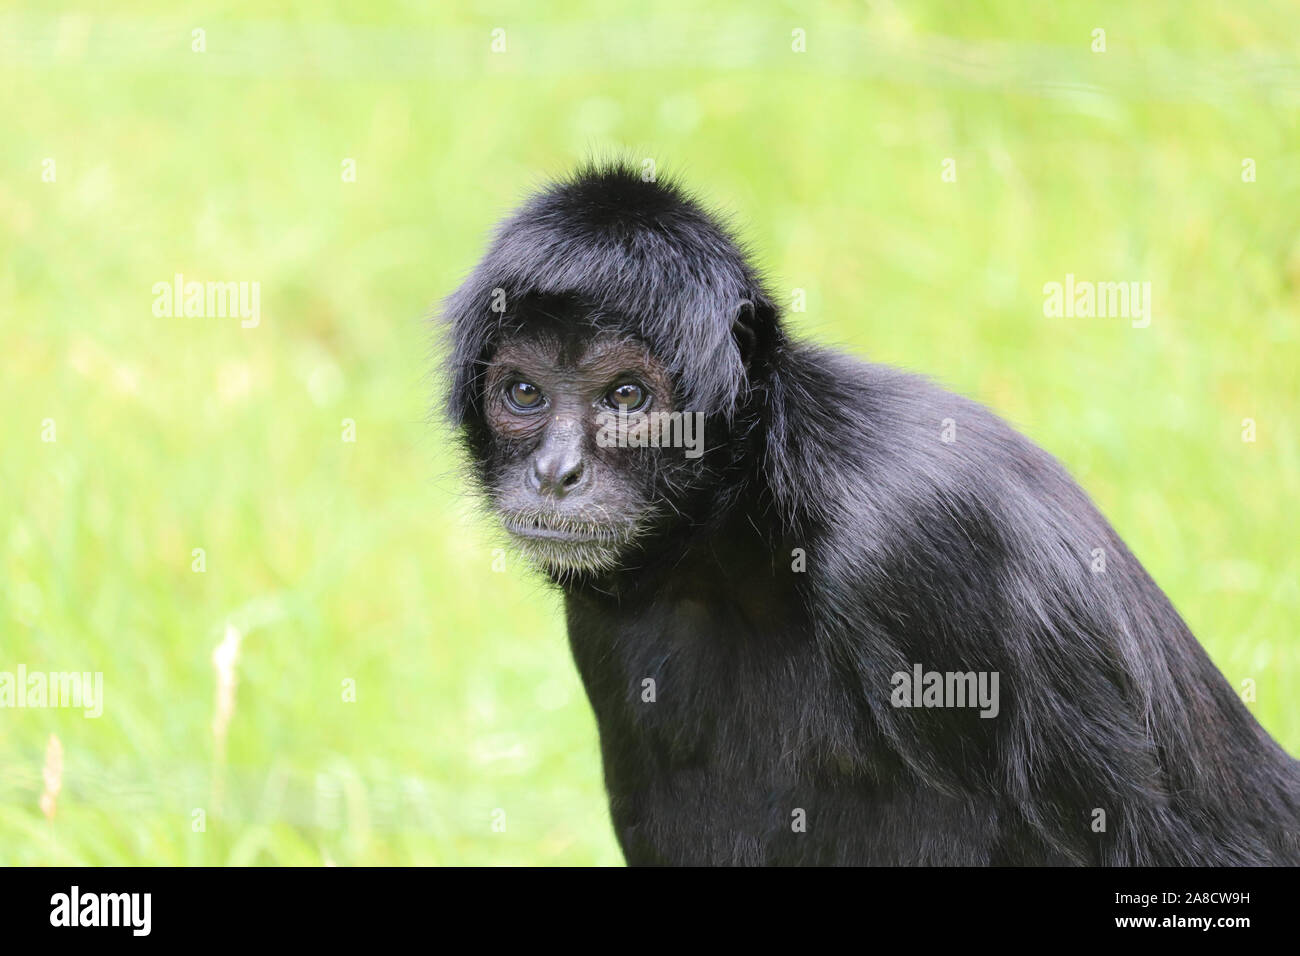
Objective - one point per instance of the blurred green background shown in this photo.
(364, 561)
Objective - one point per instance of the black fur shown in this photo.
(774, 685)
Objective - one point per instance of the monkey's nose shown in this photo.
(556, 474)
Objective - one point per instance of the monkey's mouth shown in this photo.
(565, 546)
(564, 530)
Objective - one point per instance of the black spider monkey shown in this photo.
(851, 618)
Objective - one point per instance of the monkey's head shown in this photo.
(609, 358)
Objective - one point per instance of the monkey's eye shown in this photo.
(523, 395)
(627, 397)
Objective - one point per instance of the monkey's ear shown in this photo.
(744, 330)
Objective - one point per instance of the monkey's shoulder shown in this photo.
(892, 441)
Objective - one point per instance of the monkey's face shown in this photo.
(568, 468)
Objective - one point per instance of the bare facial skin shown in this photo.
(570, 505)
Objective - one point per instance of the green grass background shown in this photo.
(365, 561)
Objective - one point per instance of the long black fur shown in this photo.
(773, 686)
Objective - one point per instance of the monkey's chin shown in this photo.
(568, 549)
(569, 560)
